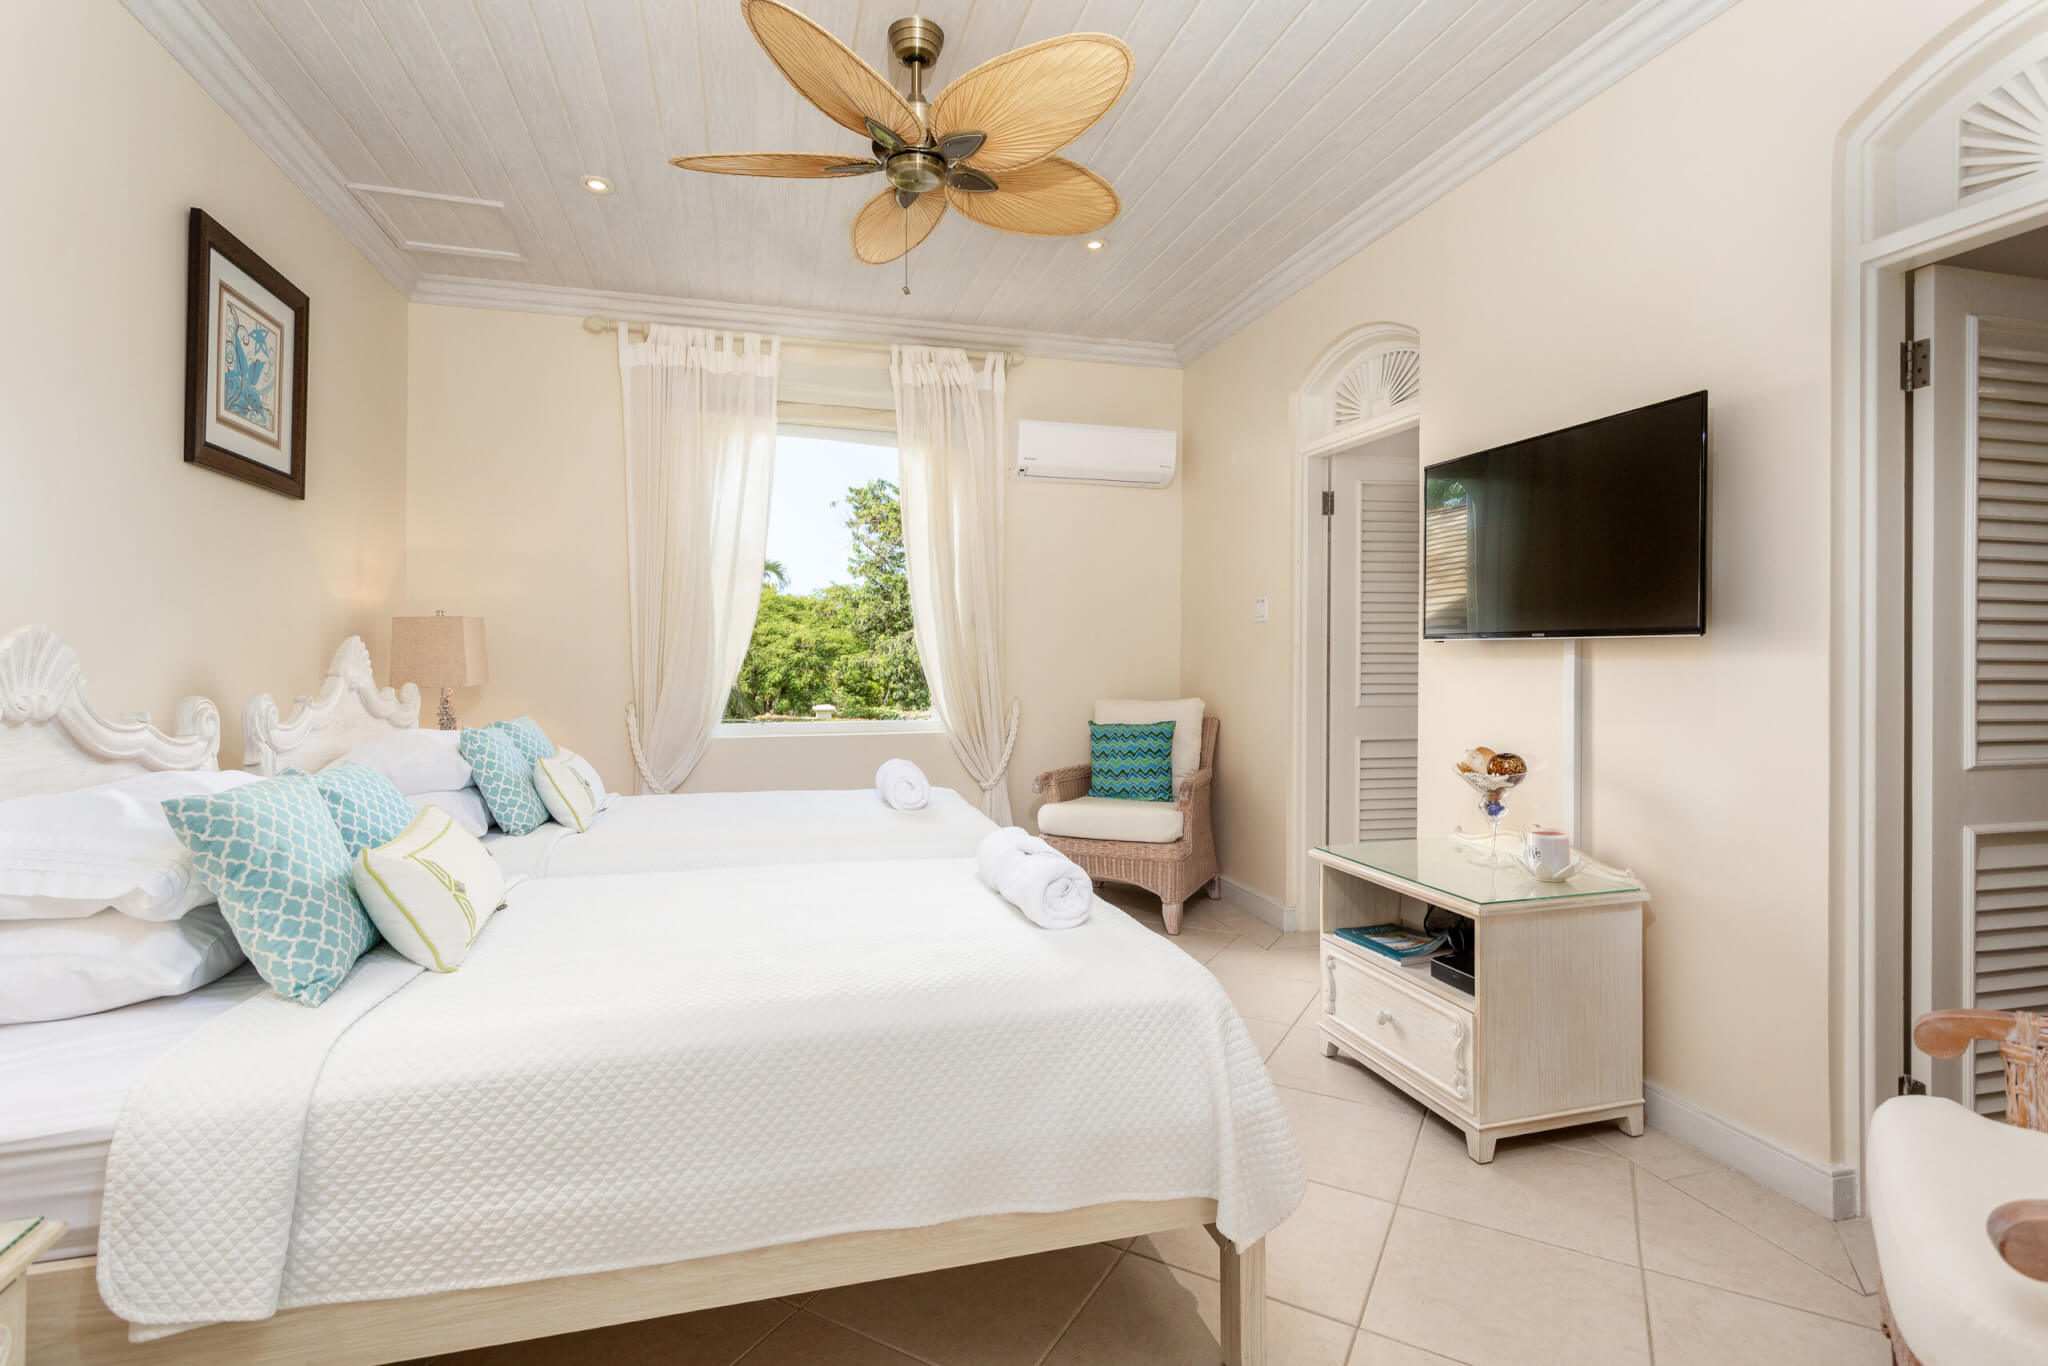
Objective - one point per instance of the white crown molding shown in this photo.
(514, 296)
(197, 43)
(1648, 28)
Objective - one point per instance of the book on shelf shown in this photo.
(1396, 942)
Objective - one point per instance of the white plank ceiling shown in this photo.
(1252, 129)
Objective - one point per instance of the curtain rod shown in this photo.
(598, 325)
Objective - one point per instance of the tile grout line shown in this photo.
(905, 1353)
(1075, 1317)
(1792, 1252)
(1817, 1313)
(1400, 1190)
(1635, 1206)
(773, 1329)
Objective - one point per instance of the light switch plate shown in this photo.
(1258, 609)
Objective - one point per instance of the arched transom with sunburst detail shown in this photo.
(2004, 135)
(1368, 383)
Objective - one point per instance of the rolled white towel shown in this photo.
(903, 785)
(1048, 887)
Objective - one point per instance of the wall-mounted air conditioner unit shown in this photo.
(1142, 457)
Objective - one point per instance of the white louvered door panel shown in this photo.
(1375, 535)
(2009, 939)
(1978, 805)
(2010, 715)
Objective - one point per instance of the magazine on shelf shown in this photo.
(1397, 942)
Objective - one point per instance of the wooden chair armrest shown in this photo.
(1189, 785)
(1948, 1033)
(1062, 784)
(2019, 1230)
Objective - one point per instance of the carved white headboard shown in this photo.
(349, 709)
(51, 739)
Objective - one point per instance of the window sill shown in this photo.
(785, 730)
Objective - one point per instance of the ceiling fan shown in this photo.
(983, 146)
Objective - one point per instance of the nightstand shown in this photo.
(21, 1242)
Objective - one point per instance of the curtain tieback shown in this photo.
(1009, 747)
(639, 756)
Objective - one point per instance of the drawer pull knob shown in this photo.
(1386, 1017)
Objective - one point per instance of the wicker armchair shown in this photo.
(1172, 872)
(2017, 1229)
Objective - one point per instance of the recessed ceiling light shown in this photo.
(1096, 244)
(597, 184)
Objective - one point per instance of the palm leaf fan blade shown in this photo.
(1052, 198)
(1034, 101)
(787, 165)
(879, 229)
(828, 73)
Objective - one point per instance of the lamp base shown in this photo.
(445, 717)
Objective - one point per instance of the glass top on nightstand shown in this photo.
(1459, 870)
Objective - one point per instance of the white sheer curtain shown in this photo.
(700, 456)
(949, 434)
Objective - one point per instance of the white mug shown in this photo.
(1550, 851)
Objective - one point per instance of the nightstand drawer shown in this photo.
(1431, 1038)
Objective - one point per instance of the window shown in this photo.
(833, 640)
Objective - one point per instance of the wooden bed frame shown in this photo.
(52, 740)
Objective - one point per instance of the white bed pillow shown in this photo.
(431, 890)
(466, 804)
(414, 760)
(67, 855)
(564, 791)
(604, 796)
(1186, 715)
(55, 969)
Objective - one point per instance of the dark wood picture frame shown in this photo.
(208, 237)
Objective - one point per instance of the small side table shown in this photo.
(1553, 1035)
(21, 1242)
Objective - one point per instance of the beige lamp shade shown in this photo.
(438, 651)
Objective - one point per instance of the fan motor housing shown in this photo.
(918, 170)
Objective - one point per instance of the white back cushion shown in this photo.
(414, 760)
(1186, 715)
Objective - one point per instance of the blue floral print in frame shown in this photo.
(245, 363)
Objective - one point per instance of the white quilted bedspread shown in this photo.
(640, 1069)
(683, 830)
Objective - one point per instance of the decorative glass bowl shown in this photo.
(1493, 776)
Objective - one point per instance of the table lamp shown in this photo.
(439, 652)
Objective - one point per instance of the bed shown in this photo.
(651, 833)
(874, 1069)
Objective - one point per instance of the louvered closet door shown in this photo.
(1979, 804)
(1375, 583)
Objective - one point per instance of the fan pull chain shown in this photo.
(906, 251)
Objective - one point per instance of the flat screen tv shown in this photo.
(1596, 530)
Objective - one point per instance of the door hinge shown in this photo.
(1913, 360)
(1912, 1086)
(1329, 503)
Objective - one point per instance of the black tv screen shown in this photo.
(1596, 530)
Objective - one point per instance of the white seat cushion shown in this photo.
(1105, 818)
(1935, 1171)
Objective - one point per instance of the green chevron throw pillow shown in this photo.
(1131, 763)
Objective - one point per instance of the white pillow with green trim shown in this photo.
(430, 890)
(565, 791)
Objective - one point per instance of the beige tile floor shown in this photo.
(1583, 1247)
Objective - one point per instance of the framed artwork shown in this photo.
(245, 364)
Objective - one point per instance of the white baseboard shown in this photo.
(1828, 1189)
(1281, 917)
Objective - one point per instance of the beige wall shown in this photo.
(170, 579)
(1673, 234)
(516, 450)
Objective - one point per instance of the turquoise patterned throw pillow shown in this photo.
(505, 776)
(367, 809)
(525, 733)
(1131, 763)
(273, 855)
